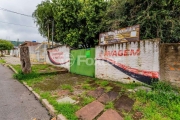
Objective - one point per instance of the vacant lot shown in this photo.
(160, 102)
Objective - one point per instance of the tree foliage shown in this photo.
(157, 18)
(5, 45)
(43, 16)
(79, 22)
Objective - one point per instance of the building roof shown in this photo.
(29, 43)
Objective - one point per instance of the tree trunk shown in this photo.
(25, 60)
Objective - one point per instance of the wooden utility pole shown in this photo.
(48, 35)
(52, 32)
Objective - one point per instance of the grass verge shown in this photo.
(2, 61)
(162, 103)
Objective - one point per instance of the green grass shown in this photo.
(67, 109)
(87, 87)
(87, 81)
(102, 83)
(127, 117)
(35, 68)
(162, 103)
(2, 61)
(17, 67)
(21, 76)
(130, 85)
(32, 77)
(86, 100)
(109, 105)
(39, 67)
(67, 87)
(108, 88)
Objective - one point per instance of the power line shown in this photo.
(3, 9)
(17, 24)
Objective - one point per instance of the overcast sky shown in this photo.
(14, 32)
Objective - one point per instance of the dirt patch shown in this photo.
(57, 80)
(115, 87)
(93, 84)
(77, 92)
(61, 93)
(124, 103)
(54, 71)
(138, 115)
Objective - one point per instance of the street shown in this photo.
(16, 102)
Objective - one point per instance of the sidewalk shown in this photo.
(14, 60)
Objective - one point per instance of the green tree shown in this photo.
(43, 16)
(157, 18)
(5, 45)
(77, 22)
(90, 21)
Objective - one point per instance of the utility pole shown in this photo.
(52, 31)
(17, 43)
(48, 34)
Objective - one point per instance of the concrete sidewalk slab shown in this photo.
(90, 111)
(96, 93)
(66, 100)
(108, 97)
(124, 103)
(110, 115)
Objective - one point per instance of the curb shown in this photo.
(49, 107)
(44, 102)
(12, 68)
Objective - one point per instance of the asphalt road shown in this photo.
(16, 102)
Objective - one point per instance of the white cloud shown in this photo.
(14, 32)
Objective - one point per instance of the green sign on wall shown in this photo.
(82, 62)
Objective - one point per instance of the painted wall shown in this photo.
(128, 62)
(170, 63)
(82, 62)
(59, 56)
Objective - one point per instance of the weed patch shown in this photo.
(108, 88)
(2, 61)
(21, 76)
(67, 109)
(86, 100)
(109, 105)
(67, 87)
(102, 83)
(87, 87)
(160, 103)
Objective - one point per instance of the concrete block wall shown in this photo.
(128, 62)
(170, 63)
(59, 56)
